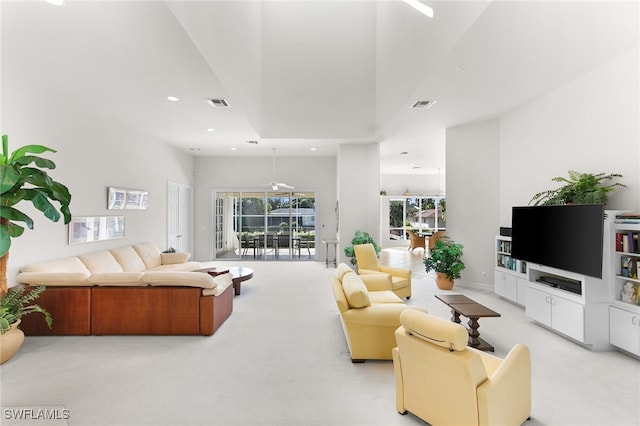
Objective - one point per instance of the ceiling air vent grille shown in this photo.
(421, 104)
(218, 103)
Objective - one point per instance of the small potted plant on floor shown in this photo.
(445, 259)
(13, 306)
(359, 237)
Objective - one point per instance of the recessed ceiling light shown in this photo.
(234, 149)
(314, 149)
(56, 2)
(173, 98)
(211, 129)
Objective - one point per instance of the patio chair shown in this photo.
(416, 241)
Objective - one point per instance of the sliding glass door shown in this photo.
(274, 225)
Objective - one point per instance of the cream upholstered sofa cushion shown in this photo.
(173, 258)
(100, 262)
(355, 291)
(129, 259)
(61, 272)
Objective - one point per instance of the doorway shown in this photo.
(179, 217)
(269, 225)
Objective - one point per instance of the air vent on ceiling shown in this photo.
(421, 104)
(252, 142)
(218, 103)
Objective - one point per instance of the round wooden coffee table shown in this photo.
(240, 274)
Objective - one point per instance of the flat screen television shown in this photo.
(563, 237)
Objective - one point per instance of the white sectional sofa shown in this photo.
(128, 290)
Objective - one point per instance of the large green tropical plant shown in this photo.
(445, 257)
(23, 178)
(360, 237)
(579, 188)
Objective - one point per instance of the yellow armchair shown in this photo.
(444, 382)
(369, 313)
(368, 264)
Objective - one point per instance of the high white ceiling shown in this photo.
(306, 74)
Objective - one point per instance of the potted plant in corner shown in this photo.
(445, 259)
(359, 237)
(23, 177)
(13, 306)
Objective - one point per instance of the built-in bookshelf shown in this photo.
(510, 274)
(624, 311)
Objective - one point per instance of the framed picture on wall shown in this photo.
(129, 199)
(87, 229)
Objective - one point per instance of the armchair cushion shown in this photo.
(355, 291)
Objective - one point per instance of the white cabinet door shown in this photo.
(521, 291)
(567, 317)
(538, 306)
(624, 330)
(505, 285)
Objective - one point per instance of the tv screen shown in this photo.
(564, 237)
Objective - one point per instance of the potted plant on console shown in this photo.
(445, 260)
(23, 177)
(579, 188)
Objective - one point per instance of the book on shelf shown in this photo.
(633, 218)
(629, 267)
(627, 242)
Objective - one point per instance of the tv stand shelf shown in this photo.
(571, 304)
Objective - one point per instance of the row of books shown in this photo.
(507, 262)
(629, 267)
(627, 242)
(504, 246)
(628, 218)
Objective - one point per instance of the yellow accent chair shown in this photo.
(442, 381)
(416, 241)
(367, 261)
(369, 312)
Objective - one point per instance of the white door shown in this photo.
(179, 217)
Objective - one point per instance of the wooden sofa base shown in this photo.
(130, 311)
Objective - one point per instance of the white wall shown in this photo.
(88, 162)
(316, 174)
(589, 124)
(473, 195)
(358, 192)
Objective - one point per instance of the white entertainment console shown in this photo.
(584, 309)
(574, 305)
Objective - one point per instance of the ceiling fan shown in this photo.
(277, 185)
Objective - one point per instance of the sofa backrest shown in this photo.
(67, 265)
(100, 262)
(129, 259)
(149, 253)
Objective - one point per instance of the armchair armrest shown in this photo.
(396, 272)
(376, 281)
(505, 397)
(383, 314)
